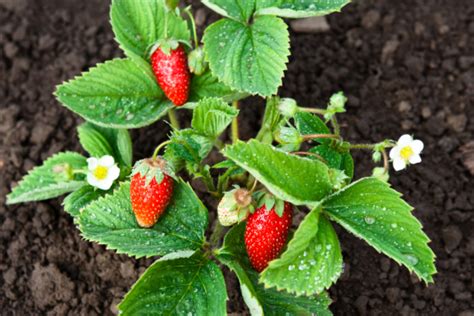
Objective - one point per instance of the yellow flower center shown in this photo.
(100, 172)
(406, 152)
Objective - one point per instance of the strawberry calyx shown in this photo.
(153, 169)
(270, 202)
(167, 46)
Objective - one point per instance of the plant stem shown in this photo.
(193, 24)
(157, 149)
(313, 110)
(173, 119)
(305, 153)
(362, 146)
(235, 124)
(313, 136)
(216, 234)
(335, 125)
(385, 161)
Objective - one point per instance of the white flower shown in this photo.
(102, 172)
(406, 151)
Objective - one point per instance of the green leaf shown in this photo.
(139, 24)
(307, 124)
(373, 211)
(208, 85)
(121, 93)
(212, 116)
(99, 141)
(335, 159)
(299, 8)
(50, 180)
(77, 200)
(188, 145)
(271, 121)
(240, 10)
(93, 141)
(124, 147)
(312, 260)
(183, 286)
(110, 221)
(261, 300)
(291, 178)
(250, 58)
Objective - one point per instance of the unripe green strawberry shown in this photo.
(266, 234)
(151, 190)
(170, 65)
(234, 206)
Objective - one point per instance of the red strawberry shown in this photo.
(151, 190)
(265, 235)
(170, 66)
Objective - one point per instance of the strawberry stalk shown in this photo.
(235, 124)
(157, 149)
(193, 25)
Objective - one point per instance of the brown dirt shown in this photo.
(407, 66)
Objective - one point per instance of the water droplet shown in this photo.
(412, 259)
(369, 220)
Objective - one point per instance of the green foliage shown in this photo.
(139, 24)
(207, 85)
(188, 145)
(259, 299)
(212, 116)
(373, 211)
(271, 121)
(239, 10)
(99, 141)
(52, 179)
(77, 200)
(307, 124)
(289, 177)
(120, 93)
(110, 221)
(182, 286)
(335, 159)
(299, 8)
(249, 58)
(312, 260)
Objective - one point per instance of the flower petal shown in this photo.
(399, 164)
(414, 159)
(92, 180)
(395, 152)
(404, 140)
(113, 173)
(92, 163)
(105, 184)
(417, 146)
(106, 161)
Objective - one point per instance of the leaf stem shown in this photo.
(313, 110)
(385, 161)
(305, 153)
(362, 146)
(193, 24)
(216, 234)
(173, 119)
(235, 124)
(313, 136)
(335, 125)
(157, 149)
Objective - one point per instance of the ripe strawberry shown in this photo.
(170, 65)
(151, 190)
(265, 234)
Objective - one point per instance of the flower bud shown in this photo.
(234, 206)
(196, 61)
(287, 107)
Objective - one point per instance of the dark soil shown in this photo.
(407, 66)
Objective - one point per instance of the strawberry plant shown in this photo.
(298, 162)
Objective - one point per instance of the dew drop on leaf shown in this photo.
(369, 220)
